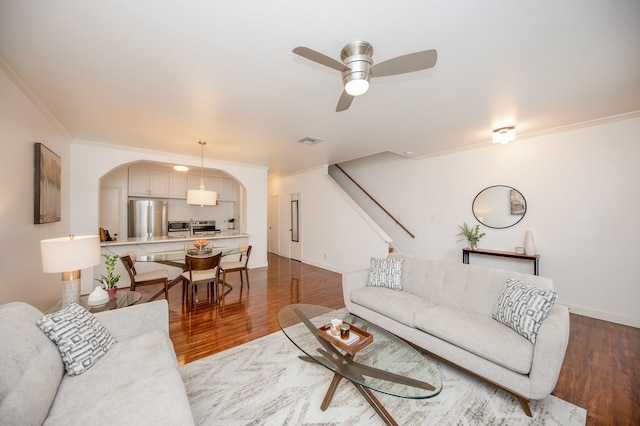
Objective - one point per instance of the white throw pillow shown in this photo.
(522, 307)
(80, 337)
(386, 273)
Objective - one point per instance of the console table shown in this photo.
(535, 258)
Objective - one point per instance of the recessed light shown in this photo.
(180, 168)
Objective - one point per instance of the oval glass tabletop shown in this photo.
(177, 256)
(386, 364)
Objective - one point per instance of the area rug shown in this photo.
(263, 382)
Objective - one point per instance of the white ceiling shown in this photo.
(162, 75)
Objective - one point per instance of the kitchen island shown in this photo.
(149, 245)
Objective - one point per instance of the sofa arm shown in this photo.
(132, 321)
(351, 281)
(549, 351)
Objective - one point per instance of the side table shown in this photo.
(124, 298)
(535, 258)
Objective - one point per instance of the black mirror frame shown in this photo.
(499, 227)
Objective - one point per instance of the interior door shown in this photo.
(272, 219)
(296, 228)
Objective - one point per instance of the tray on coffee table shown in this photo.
(364, 338)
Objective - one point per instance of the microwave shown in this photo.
(179, 228)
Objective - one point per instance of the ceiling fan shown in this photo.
(357, 66)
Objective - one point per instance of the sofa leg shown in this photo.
(524, 402)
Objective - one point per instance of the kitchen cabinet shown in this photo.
(226, 190)
(178, 185)
(145, 182)
(210, 182)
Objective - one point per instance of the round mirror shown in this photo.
(499, 206)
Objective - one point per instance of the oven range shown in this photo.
(203, 227)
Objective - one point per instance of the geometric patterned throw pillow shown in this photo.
(80, 337)
(386, 273)
(522, 307)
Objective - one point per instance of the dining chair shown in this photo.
(199, 270)
(240, 265)
(157, 276)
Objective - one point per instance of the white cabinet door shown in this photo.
(178, 185)
(210, 183)
(138, 182)
(227, 190)
(158, 183)
(145, 182)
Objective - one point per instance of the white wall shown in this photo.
(90, 161)
(333, 234)
(583, 198)
(22, 124)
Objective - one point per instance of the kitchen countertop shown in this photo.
(153, 240)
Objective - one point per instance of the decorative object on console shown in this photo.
(80, 337)
(201, 197)
(471, 234)
(529, 244)
(69, 255)
(386, 273)
(522, 307)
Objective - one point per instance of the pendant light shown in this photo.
(200, 197)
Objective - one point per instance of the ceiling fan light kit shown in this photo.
(357, 66)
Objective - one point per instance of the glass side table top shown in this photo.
(124, 298)
(387, 364)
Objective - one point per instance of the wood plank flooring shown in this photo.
(601, 371)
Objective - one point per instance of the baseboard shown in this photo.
(605, 316)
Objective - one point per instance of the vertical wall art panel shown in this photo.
(48, 175)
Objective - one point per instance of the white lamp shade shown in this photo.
(70, 254)
(200, 197)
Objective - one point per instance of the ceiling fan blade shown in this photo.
(344, 102)
(406, 63)
(320, 58)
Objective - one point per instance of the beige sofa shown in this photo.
(136, 382)
(446, 308)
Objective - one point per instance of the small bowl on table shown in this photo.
(200, 245)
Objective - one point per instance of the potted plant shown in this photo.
(471, 234)
(110, 280)
(230, 223)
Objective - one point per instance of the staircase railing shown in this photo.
(375, 201)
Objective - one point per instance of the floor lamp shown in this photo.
(69, 255)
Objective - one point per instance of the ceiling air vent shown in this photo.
(309, 140)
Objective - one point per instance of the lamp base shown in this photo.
(70, 292)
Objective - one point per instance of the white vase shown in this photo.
(529, 244)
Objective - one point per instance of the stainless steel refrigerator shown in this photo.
(147, 218)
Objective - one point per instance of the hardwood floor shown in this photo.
(601, 371)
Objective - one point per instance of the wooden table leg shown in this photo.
(376, 404)
(332, 389)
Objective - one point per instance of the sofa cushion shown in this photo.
(80, 337)
(522, 307)
(477, 334)
(30, 366)
(386, 273)
(397, 305)
(136, 383)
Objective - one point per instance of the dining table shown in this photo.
(176, 258)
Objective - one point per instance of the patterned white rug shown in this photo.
(263, 382)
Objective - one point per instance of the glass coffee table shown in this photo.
(376, 361)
